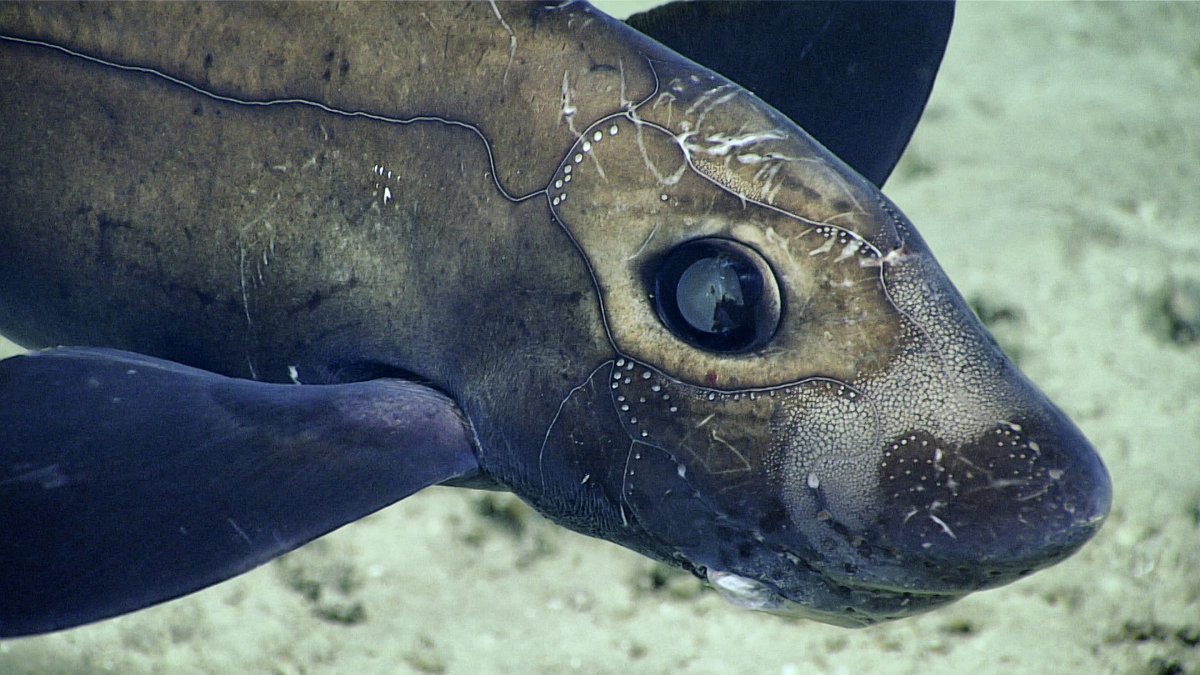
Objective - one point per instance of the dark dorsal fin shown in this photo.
(127, 480)
(855, 75)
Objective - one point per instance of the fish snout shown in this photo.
(1023, 495)
(804, 501)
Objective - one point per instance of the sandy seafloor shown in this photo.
(1056, 175)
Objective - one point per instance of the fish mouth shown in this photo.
(860, 605)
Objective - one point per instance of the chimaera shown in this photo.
(323, 256)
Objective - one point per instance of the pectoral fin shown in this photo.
(127, 480)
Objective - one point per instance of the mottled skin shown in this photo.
(340, 193)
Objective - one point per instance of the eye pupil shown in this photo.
(718, 295)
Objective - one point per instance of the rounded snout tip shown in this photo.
(1023, 496)
(1081, 491)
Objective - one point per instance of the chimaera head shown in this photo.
(586, 270)
(816, 420)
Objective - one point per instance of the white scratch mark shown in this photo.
(942, 524)
(596, 161)
(720, 145)
(625, 102)
(240, 531)
(668, 98)
(568, 109)
(769, 190)
(703, 99)
(658, 175)
(512, 41)
(49, 477)
(849, 250)
(740, 456)
(554, 420)
(624, 479)
(242, 274)
(647, 242)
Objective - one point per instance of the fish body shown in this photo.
(523, 247)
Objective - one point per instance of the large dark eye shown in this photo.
(718, 295)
